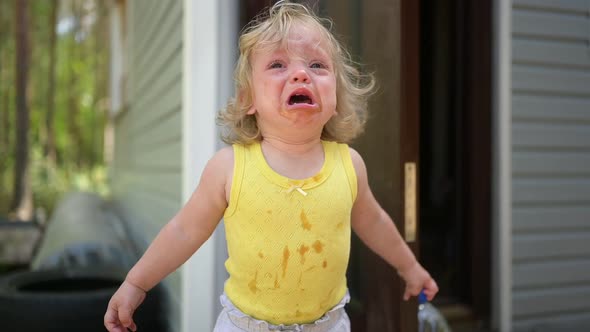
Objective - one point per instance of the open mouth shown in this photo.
(299, 98)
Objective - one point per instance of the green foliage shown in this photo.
(81, 73)
(50, 182)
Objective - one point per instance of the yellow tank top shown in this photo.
(288, 240)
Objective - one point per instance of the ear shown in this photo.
(241, 96)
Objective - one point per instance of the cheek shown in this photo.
(267, 88)
(331, 94)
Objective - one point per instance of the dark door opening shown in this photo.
(455, 154)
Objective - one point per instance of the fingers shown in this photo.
(111, 321)
(430, 289)
(126, 318)
(406, 295)
(411, 290)
(119, 321)
(119, 315)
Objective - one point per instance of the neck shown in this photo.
(292, 147)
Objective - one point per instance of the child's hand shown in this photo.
(119, 315)
(417, 279)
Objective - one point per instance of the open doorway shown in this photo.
(455, 155)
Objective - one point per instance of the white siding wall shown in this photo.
(551, 163)
(147, 168)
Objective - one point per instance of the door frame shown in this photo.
(383, 308)
(502, 166)
(409, 137)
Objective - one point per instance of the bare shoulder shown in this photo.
(220, 166)
(365, 207)
(223, 158)
(358, 163)
(220, 171)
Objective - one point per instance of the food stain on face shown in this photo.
(252, 284)
(303, 249)
(318, 246)
(304, 221)
(285, 260)
(300, 115)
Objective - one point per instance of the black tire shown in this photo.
(67, 300)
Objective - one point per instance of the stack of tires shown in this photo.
(73, 299)
(76, 270)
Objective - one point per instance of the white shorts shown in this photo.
(231, 319)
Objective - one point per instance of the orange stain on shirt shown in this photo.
(252, 284)
(304, 221)
(310, 268)
(260, 254)
(285, 260)
(318, 246)
(303, 249)
(324, 264)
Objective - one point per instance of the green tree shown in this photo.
(49, 146)
(22, 199)
(64, 94)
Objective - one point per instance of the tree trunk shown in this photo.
(101, 71)
(6, 46)
(73, 118)
(49, 148)
(5, 93)
(22, 203)
(5, 120)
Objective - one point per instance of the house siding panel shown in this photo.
(550, 301)
(551, 163)
(549, 219)
(533, 275)
(579, 7)
(147, 171)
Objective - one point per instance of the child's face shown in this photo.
(293, 87)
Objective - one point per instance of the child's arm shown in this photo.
(376, 229)
(176, 242)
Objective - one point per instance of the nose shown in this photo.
(300, 76)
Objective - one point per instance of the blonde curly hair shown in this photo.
(270, 29)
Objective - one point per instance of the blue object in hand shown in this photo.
(430, 319)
